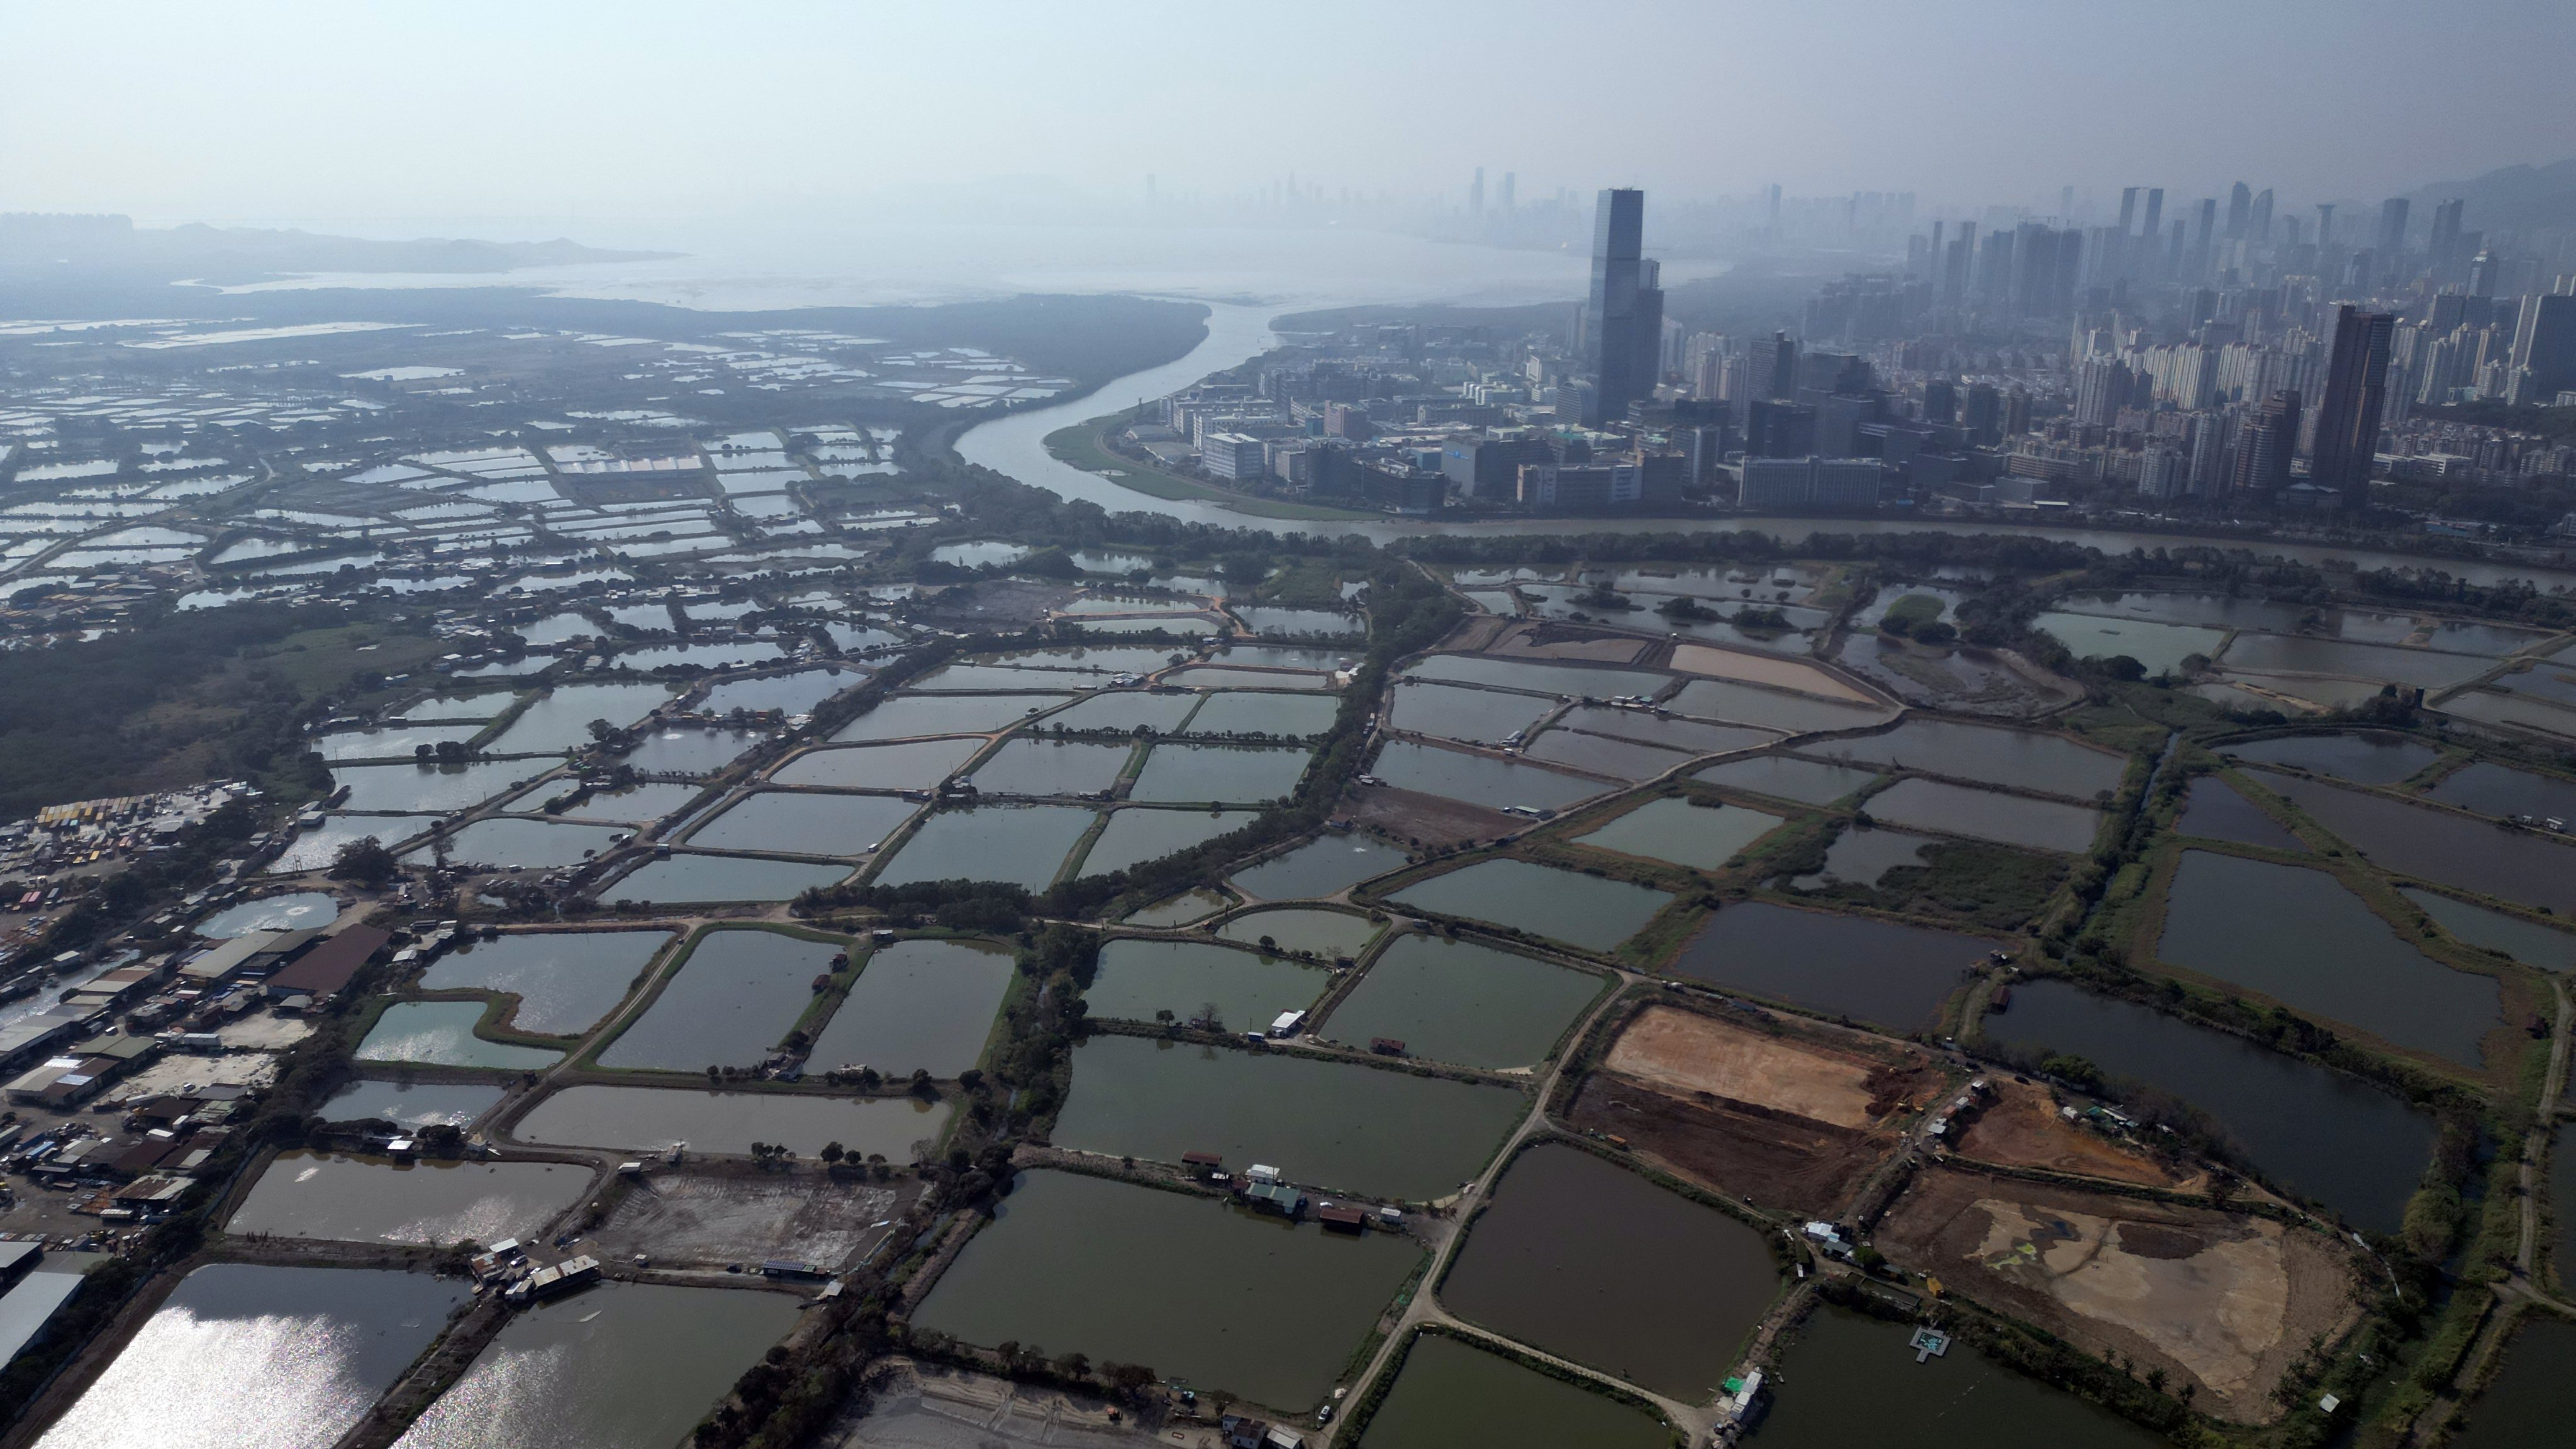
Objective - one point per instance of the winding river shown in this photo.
(1016, 445)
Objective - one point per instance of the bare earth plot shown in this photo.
(1689, 1053)
(1770, 669)
(1786, 1122)
(915, 1406)
(2221, 1300)
(2022, 1129)
(685, 1218)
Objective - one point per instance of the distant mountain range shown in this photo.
(233, 253)
(2509, 197)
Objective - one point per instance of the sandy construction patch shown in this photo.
(2022, 1129)
(1716, 663)
(1690, 1053)
(2227, 1301)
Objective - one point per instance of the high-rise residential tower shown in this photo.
(1624, 313)
(2356, 392)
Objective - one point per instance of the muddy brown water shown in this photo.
(1589, 1261)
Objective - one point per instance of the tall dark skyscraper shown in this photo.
(2240, 211)
(2348, 415)
(2392, 230)
(1624, 315)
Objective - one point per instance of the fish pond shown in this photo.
(441, 1034)
(2214, 810)
(1324, 866)
(1623, 759)
(1218, 774)
(411, 1104)
(1252, 712)
(1582, 910)
(649, 1119)
(1987, 815)
(1022, 845)
(636, 804)
(2318, 1133)
(1378, 1131)
(909, 715)
(1030, 766)
(1450, 1394)
(2160, 647)
(1848, 1379)
(377, 1200)
(1459, 712)
(1269, 1311)
(1587, 1260)
(1492, 781)
(2528, 942)
(1136, 835)
(431, 789)
(2533, 1397)
(1684, 832)
(565, 980)
(1854, 966)
(513, 842)
(2364, 759)
(916, 765)
(729, 1004)
(250, 1356)
(1180, 910)
(1786, 777)
(616, 1366)
(1138, 979)
(796, 822)
(2492, 789)
(1294, 930)
(1462, 1002)
(690, 879)
(918, 1005)
(299, 911)
(1988, 754)
(2299, 936)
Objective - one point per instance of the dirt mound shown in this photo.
(1777, 1159)
(2222, 1301)
(2022, 1129)
(1687, 1053)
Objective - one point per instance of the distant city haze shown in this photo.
(623, 123)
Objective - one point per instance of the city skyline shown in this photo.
(582, 115)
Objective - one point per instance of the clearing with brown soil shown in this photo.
(1555, 641)
(2022, 1129)
(1711, 662)
(2223, 1301)
(1774, 1158)
(1409, 816)
(1688, 1053)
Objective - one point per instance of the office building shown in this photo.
(2348, 416)
(1624, 313)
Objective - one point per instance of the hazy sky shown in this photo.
(374, 116)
